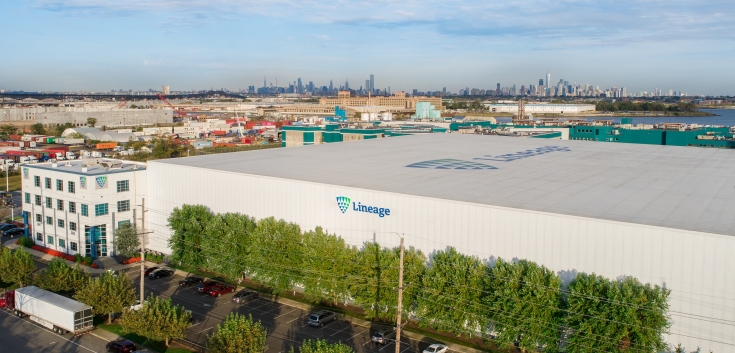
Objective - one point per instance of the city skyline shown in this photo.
(138, 45)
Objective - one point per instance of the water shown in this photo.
(725, 117)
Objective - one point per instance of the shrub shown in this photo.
(24, 241)
(87, 261)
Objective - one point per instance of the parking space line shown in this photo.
(393, 342)
(340, 331)
(285, 313)
(356, 335)
(367, 342)
(409, 347)
(294, 319)
(206, 329)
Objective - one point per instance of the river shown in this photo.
(724, 117)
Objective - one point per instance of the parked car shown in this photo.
(436, 348)
(320, 318)
(162, 272)
(190, 281)
(14, 232)
(383, 335)
(121, 346)
(149, 270)
(6, 226)
(206, 286)
(217, 291)
(245, 295)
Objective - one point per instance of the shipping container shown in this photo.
(106, 145)
(16, 137)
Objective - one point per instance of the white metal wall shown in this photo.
(697, 267)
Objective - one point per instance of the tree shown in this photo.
(7, 130)
(16, 267)
(523, 300)
(108, 294)
(38, 129)
(327, 265)
(323, 346)
(59, 129)
(451, 292)
(157, 319)
(188, 224)
(126, 241)
(228, 244)
(374, 280)
(237, 334)
(615, 316)
(60, 277)
(277, 262)
(91, 122)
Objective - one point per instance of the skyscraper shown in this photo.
(347, 85)
(331, 86)
(541, 82)
(367, 85)
(372, 83)
(299, 86)
(548, 79)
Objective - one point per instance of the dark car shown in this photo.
(320, 318)
(149, 270)
(217, 291)
(160, 273)
(121, 346)
(206, 286)
(13, 232)
(190, 281)
(7, 226)
(245, 295)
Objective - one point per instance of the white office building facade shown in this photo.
(75, 206)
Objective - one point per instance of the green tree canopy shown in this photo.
(323, 346)
(228, 244)
(327, 265)
(523, 300)
(59, 129)
(107, 294)
(38, 129)
(7, 130)
(59, 277)
(451, 292)
(91, 122)
(16, 266)
(374, 282)
(237, 334)
(156, 319)
(188, 224)
(127, 242)
(278, 264)
(615, 316)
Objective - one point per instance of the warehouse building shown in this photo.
(662, 214)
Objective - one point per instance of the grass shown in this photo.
(154, 345)
(14, 182)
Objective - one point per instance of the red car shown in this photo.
(206, 286)
(217, 291)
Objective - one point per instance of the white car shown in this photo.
(436, 348)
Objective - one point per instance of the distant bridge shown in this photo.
(5, 97)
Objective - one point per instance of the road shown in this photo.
(22, 335)
(286, 325)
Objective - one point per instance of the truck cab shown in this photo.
(59, 156)
(70, 155)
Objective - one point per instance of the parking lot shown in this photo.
(287, 326)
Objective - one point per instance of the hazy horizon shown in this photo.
(96, 45)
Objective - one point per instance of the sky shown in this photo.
(100, 45)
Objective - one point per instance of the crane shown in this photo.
(179, 112)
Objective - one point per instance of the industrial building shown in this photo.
(662, 214)
(540, 108)
(108, 116)
(300, 135)
(75, 206)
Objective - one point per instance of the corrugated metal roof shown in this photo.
(677, 187)
(53, 298)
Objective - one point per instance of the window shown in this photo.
(49, 220)
(47, 181)
(62, 244)
(73, 226)
(123, 206)
(60, 205)
(37, 199)
(122, 223)
(60, 223)
(28, 198)
(37, 181)
(48, 202)
(39, 237)
(72, 188)
(38, 218)
(101, 209)
(50, 239)
(72, 207)
(59, 185)
(73, 246)
(85, 211)
(123, 185)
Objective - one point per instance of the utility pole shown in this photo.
(400, 301)
(142, 252)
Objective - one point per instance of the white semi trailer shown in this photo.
(58, 313)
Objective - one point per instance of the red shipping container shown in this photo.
(15, 137)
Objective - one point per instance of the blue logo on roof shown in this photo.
(459, 164)
(451, 164)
